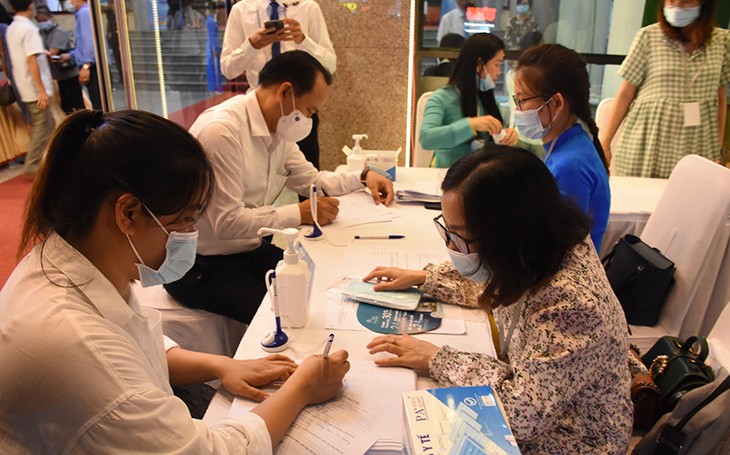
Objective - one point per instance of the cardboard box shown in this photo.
(456, 421)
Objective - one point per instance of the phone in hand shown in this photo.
(56, 58)
(276, 25)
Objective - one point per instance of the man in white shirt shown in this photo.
(247, 45)
(250, 140)
(33, 79)
(453, 21)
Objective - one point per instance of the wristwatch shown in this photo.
(86, 66)
(364, 175)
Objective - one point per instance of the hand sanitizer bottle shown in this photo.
(356, 159)
(292, 282)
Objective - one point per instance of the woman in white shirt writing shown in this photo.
(562, 372)
(84, 365)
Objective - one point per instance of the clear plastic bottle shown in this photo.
(356, 159)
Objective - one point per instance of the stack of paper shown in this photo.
(419, 192)
(359, 208)
(366, 419)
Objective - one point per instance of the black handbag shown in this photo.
(641, 278)
(677, 368)
(7, 95)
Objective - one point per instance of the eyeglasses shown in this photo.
(459, 242)
(518, 102)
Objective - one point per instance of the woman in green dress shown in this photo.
(673, 100)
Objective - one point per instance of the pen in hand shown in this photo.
(328, 346)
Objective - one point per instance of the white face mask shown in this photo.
(181, 249)
(469, 266)
(681, 17)
(528, 122)
(294, 126)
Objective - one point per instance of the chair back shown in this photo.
(690, 213)
(719, 341)
(421, 156)
(603, 112)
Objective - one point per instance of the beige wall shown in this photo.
(370, 89)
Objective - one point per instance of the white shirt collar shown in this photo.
(255, 116)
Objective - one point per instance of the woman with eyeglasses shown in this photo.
(552, 93)
(563, 371)
(85, 369)
(461, 116)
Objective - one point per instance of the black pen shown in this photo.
(379, 237)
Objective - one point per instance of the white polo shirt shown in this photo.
(248, 16)
(251, 167)
(24, 40)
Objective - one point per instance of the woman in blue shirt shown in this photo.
(551, 98)
(463, 115)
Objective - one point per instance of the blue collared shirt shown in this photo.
(84, 51)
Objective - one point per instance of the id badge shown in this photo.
(691, 114)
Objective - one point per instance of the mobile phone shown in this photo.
(55, 58)
(276, 25)
(432, 205)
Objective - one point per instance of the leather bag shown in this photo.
(645, 396)
(641, 278)
(677, 368)
(7, 95)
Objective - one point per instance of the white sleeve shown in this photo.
(237, 53)
(302, 174)
(317, 39)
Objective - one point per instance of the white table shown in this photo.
(633, 200)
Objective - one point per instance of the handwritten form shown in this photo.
(359, 208)
(370, 408)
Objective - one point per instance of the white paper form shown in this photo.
(359, 208)
(370, 407)
(361, 260)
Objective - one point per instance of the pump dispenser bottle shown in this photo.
(292, 281)
(356, 159)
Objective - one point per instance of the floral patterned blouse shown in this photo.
(566, 386)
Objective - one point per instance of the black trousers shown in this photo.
(93, 87)
(310, 147)
(71, 97)
(232, 285)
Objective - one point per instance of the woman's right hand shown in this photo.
(486, 123)
(318, 379)
(394, 279)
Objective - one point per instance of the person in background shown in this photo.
(83, 54)
(464, 114)
(520, 25)
(86, 368)
(33, 80)
(213, 50)
(453, 21)
(444, 69)
(112, 37)
(562, 373)
(57, 41)
(248, 46)
(552, 93)
(673, 99)
(251, 141)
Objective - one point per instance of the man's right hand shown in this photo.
(319, 379)
(265, 36)
(42, 100)
(327, 209)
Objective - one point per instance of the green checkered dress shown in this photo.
(654, 137)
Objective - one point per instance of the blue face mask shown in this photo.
(528, 123)
(681, 17)
(469, 266)
(522, 9)
(485, 85)
(45, 25)
(181, 248)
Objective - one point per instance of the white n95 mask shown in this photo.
(469, 266)
(181, 249)
(294, 126)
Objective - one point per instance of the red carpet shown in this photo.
(13, 194)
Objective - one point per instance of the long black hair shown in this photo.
(548, 69)
(94, 157)
(480, 46)
(514, 210)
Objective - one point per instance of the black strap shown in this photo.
(671, 438)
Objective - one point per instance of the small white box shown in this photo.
(386, 160)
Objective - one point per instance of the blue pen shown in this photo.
(379, 237)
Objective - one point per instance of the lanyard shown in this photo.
(504, 342)
(550, 150)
